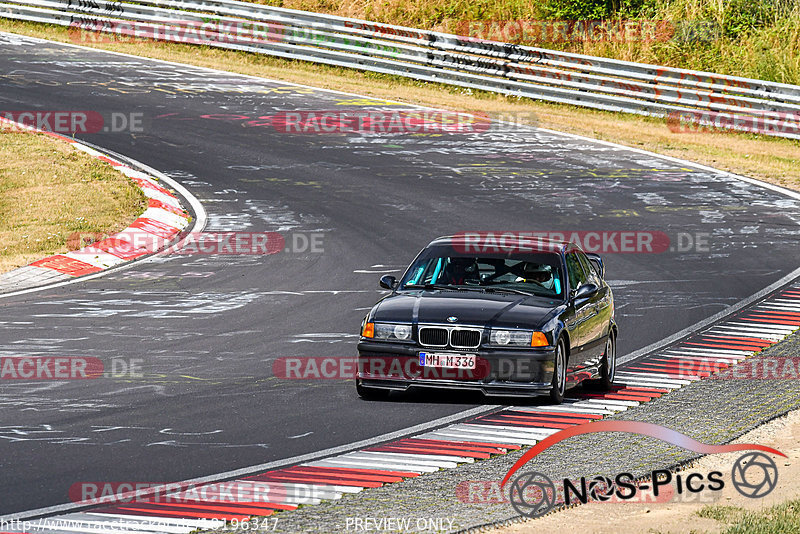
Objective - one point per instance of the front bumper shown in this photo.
(395, 366)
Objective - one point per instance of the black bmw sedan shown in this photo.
(502, 314)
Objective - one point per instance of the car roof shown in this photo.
(501, 241)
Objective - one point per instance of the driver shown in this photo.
(460, 270)
(539, 274)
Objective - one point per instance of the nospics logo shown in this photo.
(755, 475)
(533, 494)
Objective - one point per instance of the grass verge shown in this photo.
(49, 190)
(770, 159)
(782, 518)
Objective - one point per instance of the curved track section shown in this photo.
(207, 328)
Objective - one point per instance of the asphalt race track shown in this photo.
(208, 327)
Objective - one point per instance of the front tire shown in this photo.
(559, 383)
(368, 393)
(608, 369)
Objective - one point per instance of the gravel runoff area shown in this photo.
(711, 411)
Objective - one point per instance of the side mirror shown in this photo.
(597, 263)
(388, 281)
(586, 291)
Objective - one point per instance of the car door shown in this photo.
(599, 315)
(579, 325)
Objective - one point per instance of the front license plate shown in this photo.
(447, 360)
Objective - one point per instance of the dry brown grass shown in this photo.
(770, 159)
(49, 190)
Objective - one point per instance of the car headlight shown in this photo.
(390, 331)
(518, 338)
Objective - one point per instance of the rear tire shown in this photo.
(609, 366)
(559, 383)
(368, 393)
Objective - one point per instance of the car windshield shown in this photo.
(442, 268)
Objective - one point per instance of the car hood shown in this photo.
(511, 311)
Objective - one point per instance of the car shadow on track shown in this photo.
(475, 398)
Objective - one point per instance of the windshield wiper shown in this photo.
(507, 290)
(442, 286)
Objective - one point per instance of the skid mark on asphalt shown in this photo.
(323, 337)
(110, 435)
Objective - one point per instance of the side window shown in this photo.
(577, 276)
(589, 268)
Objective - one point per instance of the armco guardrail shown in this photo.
(694, 97)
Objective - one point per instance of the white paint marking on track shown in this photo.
(514, 439)
(163, 216)
(776, 307)
(383, 466)
(399, 458)
(749, 332)
(655, 377)
(449, 435)
(777, 328)
(711, 350)
(701, 360)
(534, 432)
(612, 403)
(95, 257)
(717, 336)
(305, 486)
(433, 457)
(704, 354)
(646, 384)
(566, 408)
(615, 408)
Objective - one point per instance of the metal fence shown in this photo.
(684, 97)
